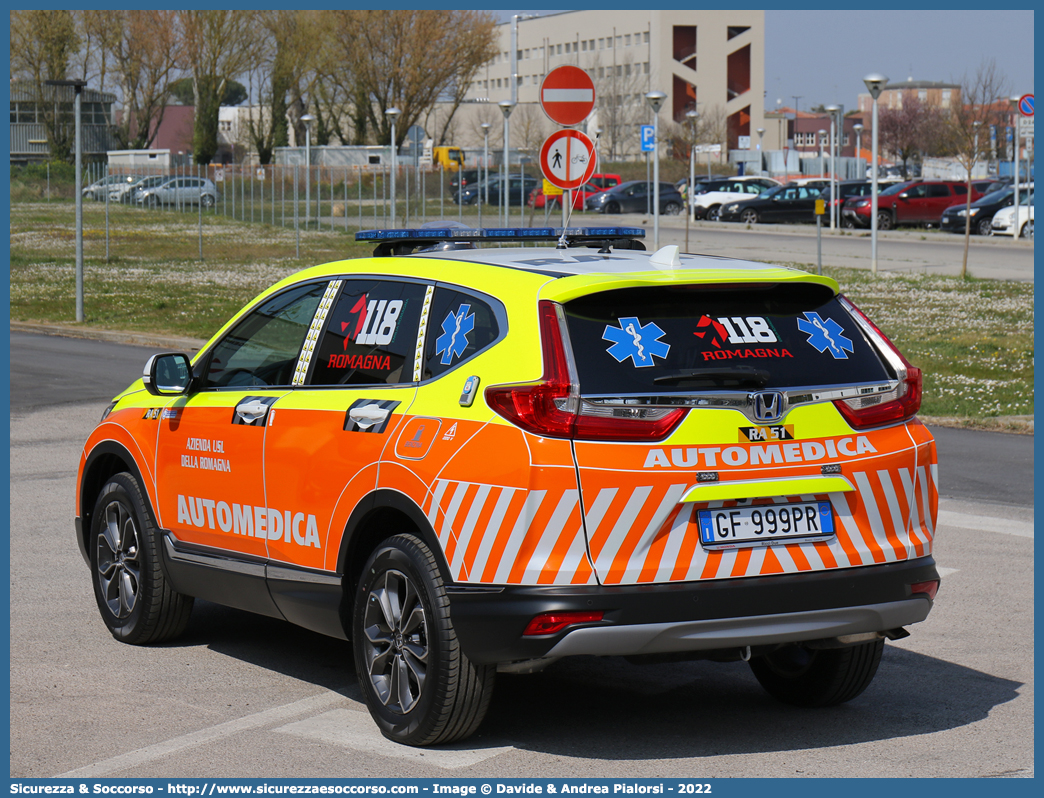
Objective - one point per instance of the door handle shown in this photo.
(251, 411)
(368, 415)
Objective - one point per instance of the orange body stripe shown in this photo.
(561, 548)
(462, 513)
(655, 555)
(686, 551)
(468, 562)
(533, 535)
(742, 561)
(638, 527)
(828, 556)
(800, 560)
(710, 567)
(514, 510)
(771, 564)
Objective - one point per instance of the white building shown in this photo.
(710, 61)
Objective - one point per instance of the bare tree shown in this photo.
(219, 46)
(982, 104)
(43, 47)
(142, 49)
(410, 59)
(913, 129)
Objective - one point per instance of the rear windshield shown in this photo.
(651, 340)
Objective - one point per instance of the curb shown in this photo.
(90, 333)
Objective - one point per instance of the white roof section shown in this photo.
(585, 260)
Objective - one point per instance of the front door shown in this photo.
(209, 463)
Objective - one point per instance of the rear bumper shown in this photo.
(692, 616)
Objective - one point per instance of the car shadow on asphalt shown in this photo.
(608, 708)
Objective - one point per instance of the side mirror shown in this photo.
(904, 195)
(168, 374)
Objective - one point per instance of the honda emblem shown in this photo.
(768, 405)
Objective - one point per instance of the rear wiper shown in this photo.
(737, 375)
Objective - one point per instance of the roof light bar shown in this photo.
(405, 241)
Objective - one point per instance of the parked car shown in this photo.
(97, 189)
(635, 196)
(914, 202)
(597, 183)
(181, 191)
(708, 198)
(782, 204)
(128, 192)
(468, 177)
(1004, 220)
(466, 460)
(981, 211)
(843, 190)
(516, 193)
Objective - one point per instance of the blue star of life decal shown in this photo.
(635, 340)
(454, 338)
(825, 335)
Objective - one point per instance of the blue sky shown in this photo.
(823, 55)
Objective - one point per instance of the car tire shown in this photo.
(208, 201)
(984, 227)
(153, 202)
(421, 689)
(713, 213)
(1027, 230)
(884, 220)
(818, 677)
(136, 602)
(611, 207)
(749, 216)
(671, 209)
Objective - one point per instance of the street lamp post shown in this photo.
(307, 119)
(485, 182)
(77, 86)
(832, 110)
(875, 84)
(392, 113)
(761, 151)
(1014, 100)
(691, 115)
(859, 143)
(822, 148)
(655, 100)
(506, 106)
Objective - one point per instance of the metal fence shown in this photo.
(316, 197)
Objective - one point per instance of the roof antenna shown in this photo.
(666, 258)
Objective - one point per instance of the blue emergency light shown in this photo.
(405, 241)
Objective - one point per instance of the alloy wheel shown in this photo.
(396, 632)
(118, 562)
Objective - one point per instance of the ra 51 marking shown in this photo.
(778, 432)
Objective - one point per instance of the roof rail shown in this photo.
(405, 241)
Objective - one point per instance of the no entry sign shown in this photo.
(567, 95)
(568, 158)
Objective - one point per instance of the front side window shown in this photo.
(371, 334)
(262, 349)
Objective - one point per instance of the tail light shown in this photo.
(552, 407)
(550, 623)
(930, 588)
(884, 408)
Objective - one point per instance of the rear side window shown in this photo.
(652, 340)
(371, 334)
(460, 326)
(938, 190)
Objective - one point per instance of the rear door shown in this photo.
(744, 367)
(352, 388)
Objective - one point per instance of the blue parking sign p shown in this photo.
(648, 138)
